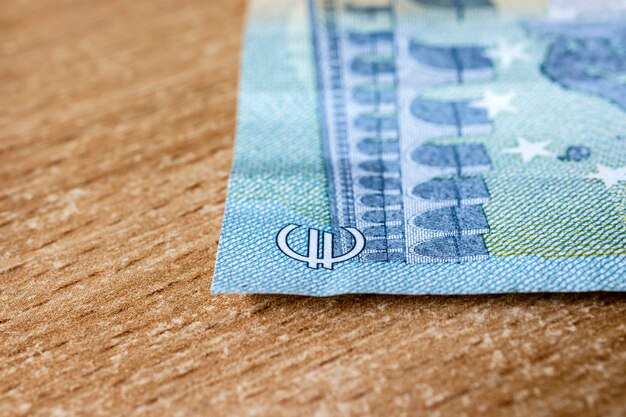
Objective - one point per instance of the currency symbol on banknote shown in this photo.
(433, 128)
(312, 257)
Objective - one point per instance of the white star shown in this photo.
(507, 53)
(610, 176)
(559, 13)
(495, 103)
(529, 150)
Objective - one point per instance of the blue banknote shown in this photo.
(428, 147)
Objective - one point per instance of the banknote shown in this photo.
(428, 147)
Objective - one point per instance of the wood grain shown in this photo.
(117, 122)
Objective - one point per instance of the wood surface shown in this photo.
(117, 122)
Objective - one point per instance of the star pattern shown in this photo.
(608, 175)
(529, 150)
(496, 103)
(508, 52)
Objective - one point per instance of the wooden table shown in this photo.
(117, 122)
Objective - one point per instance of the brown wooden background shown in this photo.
(117, 122)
